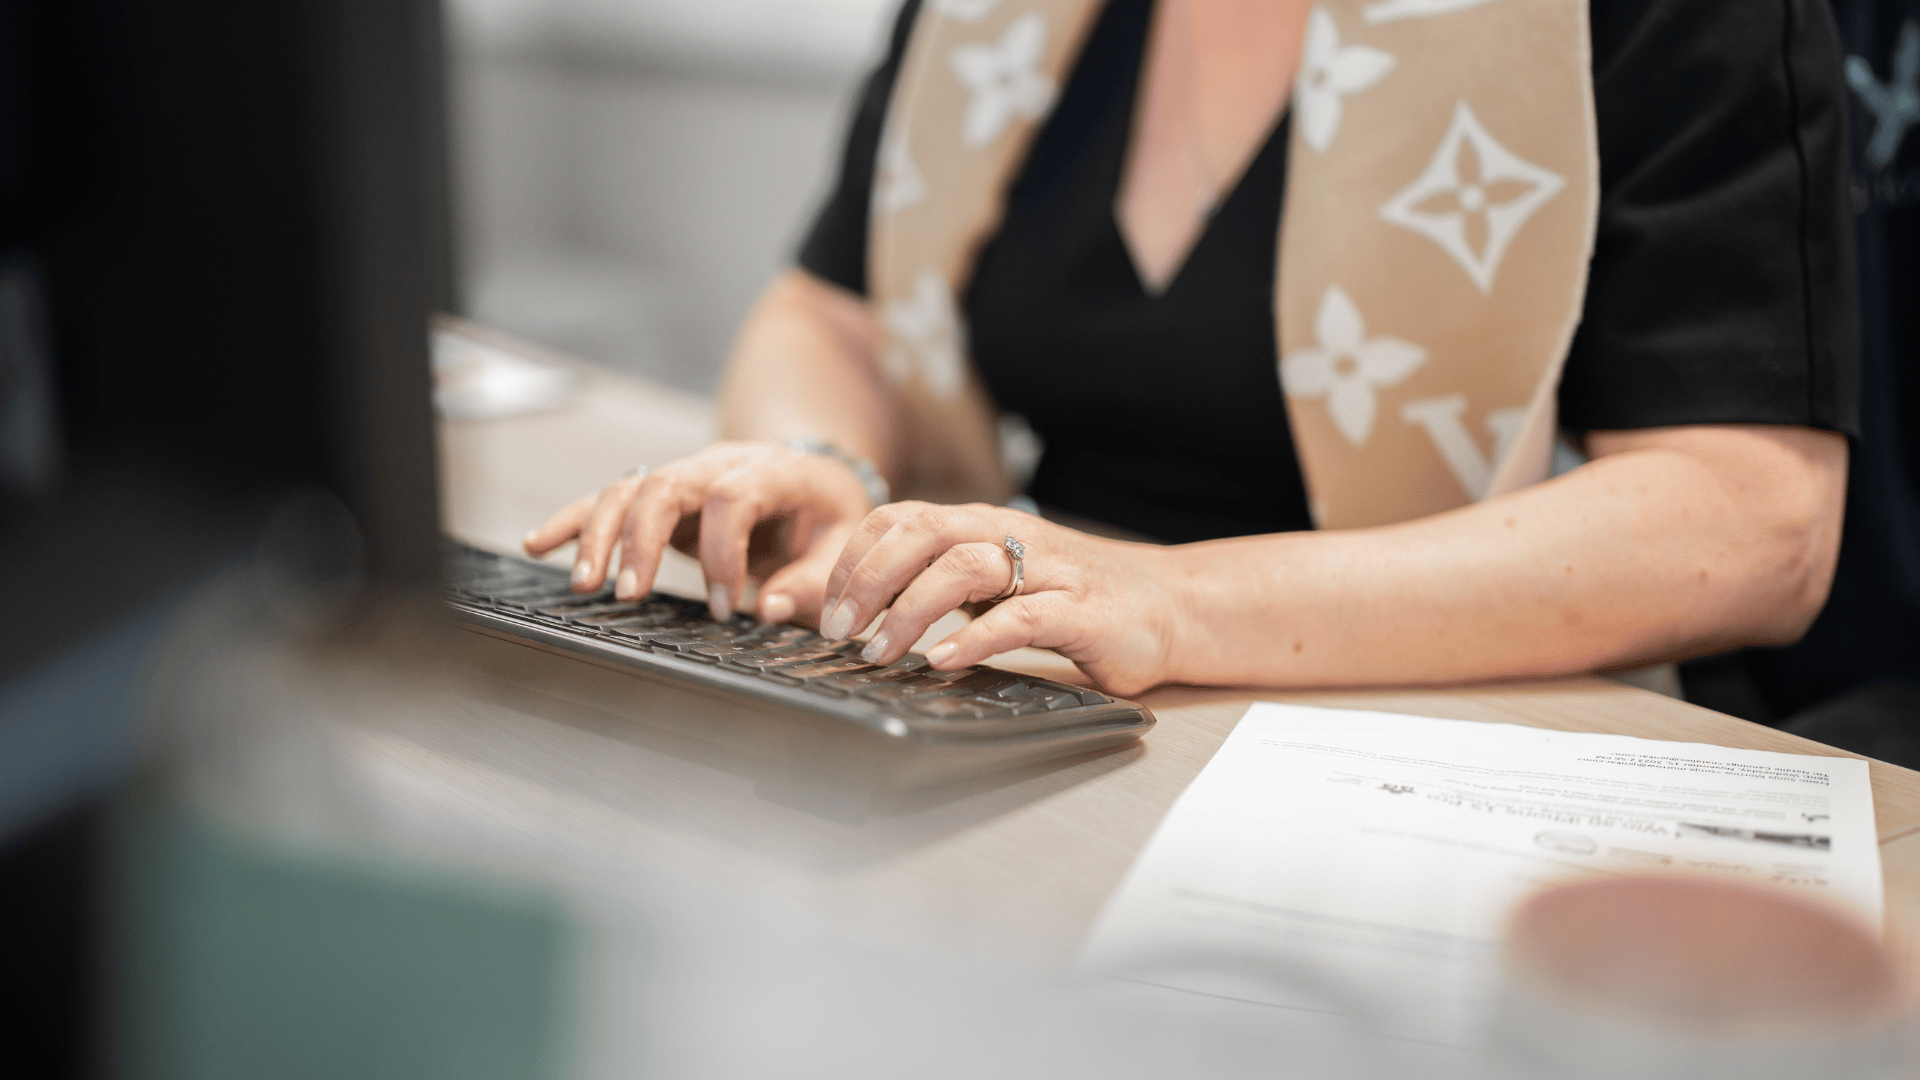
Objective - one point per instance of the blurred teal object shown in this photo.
(253, 958)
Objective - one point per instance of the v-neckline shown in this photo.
(1131, 121)
(1213, 215)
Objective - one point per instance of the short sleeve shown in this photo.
(836, 245)
(1721, 287)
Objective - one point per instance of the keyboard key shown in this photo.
(551, 591)
(873, 677)
(982, 680)
(821, 671)
(656, 620)
(908, 690)
(758, 641)
(1022, 694)
(1034, 699)
(579, 609)
(638, 630)
(677, 638)
(615, 622)
(891, 684)
(683, 638)
(786, 656)
(951, 707)
(660, 614)
(1085, 696)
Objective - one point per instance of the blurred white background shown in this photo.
(628, 173)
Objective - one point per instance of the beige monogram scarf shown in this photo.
(1441, 196)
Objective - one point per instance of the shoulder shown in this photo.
(1709, 48)
(1720, 288)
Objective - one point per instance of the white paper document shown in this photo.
(1375, 857)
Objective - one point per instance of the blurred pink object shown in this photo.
(1666, 975)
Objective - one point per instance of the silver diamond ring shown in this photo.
(1016, 551)
(637, 472)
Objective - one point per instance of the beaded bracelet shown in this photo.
(879, 493)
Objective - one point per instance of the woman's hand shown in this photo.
(1107, 605)
(709, 505)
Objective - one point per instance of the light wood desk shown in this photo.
(1021, 864)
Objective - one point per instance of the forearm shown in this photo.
(1658, 550)
(803, 367)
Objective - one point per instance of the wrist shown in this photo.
(1178, 607)
(1223, 613)
(879, 492)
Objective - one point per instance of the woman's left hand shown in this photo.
(1107, 605)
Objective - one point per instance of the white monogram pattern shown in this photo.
(1473, 197)
(1329, 72)
(926, 337)
(1896, 104)
(1371, 107)
(1004, 79)
(965, 10)
(1347, 365)
(897, 181)
(1389, 10)
(1440, 416)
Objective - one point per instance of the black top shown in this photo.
(1721, 286)
(1870, 628)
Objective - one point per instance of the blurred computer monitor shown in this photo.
(223, 225)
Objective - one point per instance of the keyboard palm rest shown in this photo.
(788, 705)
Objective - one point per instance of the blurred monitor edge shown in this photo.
(223, 226)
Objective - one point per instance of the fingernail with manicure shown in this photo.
(876, 648)
(839, 625)
(628, 587)
(778, 607)
(581, 571)
(940, 652)
(717, 602)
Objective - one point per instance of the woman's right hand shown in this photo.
(708, 505)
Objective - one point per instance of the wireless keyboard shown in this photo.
(790, 707)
